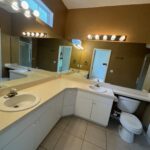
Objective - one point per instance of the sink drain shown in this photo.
(16, 106)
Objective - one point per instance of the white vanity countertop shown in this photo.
(48, 90)
(45, 91)
(128, 92)
(29, 76)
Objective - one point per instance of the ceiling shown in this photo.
(75, 4)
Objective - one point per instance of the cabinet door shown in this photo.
(25, 141)
(101, 110)
(69, 102)
(83, 105)
(47, 120)
(59, 105)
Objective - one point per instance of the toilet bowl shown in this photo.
(130, 124)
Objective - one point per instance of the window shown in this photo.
(46, 15)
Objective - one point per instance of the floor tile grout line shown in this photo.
(63, 131)
(84, 136)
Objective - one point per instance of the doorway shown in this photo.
(100, 63)
(64, 58)
(25, 54)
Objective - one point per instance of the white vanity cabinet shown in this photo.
(15, 75)
(34, 127)
(96, 108)
(69, 102)
(101, 109)
(83, 106)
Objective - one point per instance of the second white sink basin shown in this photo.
(98, 89)
(19, 102)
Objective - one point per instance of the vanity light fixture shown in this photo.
(24, 5)
(106, 37)
(27, 13)
(15, 6)
(34, 34)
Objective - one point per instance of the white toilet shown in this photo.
(131, 125)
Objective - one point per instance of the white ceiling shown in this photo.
(74, 4)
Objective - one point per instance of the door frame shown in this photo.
(92, 62)
(59, 56)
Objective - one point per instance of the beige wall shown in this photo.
(132, 21)
(5, 21)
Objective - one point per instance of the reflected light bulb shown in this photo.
(32, 34)
(27, 13)
(15, 6)
(36, 13)
(24, 5)
(89, 36)
(105, 37)
(113, 37)
(97, 37)
(122, 38)
(28, 33)
(24, 33)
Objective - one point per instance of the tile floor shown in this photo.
(73, 133)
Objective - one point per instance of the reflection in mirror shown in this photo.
(21, 51)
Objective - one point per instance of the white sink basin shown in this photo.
(18, 102)
(98, 89)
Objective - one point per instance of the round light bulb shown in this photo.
(32, 34)
(27, 13)
(105, 37)
(122, 38)
(41, 34)
(28, 34)
(36, 13)
(24, 33)
(89, 36)
(24, 5)
(97, 37)
(113, 37)
(37, 34)
(15, 6)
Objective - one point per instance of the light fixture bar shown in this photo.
(120, 38)
(34, 34)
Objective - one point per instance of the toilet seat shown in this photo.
(131, 123)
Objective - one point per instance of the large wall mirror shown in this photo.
(120, 63)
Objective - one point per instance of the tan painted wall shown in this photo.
(126, 60)
(5, 21)
(133, 21)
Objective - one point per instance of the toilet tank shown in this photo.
(127, 104)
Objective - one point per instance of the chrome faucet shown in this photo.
(13, 92)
